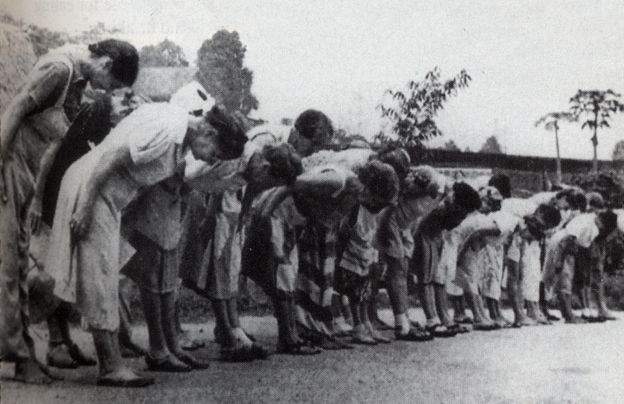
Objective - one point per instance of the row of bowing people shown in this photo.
(181, 189)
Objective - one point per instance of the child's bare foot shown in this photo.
(30, 371)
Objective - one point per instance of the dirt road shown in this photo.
(548, 364)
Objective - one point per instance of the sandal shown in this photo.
(460, 329)
(440, 331)
(191, 361)
(413, 335)
(363, 340)
(485, 327)
(592, 319)
(302, 349)
(464, 320)
(329, 344)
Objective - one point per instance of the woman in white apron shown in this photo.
(31, 129)
(87, 250)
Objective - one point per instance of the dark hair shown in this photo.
(285, 162)
(565, 193)
(595, 200)
(380, 178)
(309, 120)
(124, 56)
(579, 201)
(609, 222)
(549, 215)
(502, 183)
(466, 197)
(231, 137)
(397, 158)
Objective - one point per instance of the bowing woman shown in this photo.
(31, 130)
(87, 250)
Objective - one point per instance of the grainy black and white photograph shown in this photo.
(288, 201)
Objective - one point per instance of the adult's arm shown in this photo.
(47, 160)
(19, 107)
(109, 161)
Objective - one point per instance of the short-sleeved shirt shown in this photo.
(518, 206)
(46, 83)
(583, 227)
(154, 134)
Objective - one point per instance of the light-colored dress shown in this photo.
(86, 271)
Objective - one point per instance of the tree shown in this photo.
(618, 151)
(165, 54)
(596, 107)
(491, 146)
(551, 122)
(96, 33)
(221, 72)
(450, 145)
(413, 112)
(44, 39)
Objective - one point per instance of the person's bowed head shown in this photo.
(545, 218)
(215, 136)
(312, 132)
(271, 166)
(457, 204)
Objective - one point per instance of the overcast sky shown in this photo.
(526, 58)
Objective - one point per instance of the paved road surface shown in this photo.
(549, 364)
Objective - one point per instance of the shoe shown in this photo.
(458, 328)
(59, 357)
(191, 361)
(485, 327)
(441, 331)
(592, 319)
(575, 320)
(81, 358)
(302, 349)
(528, 322)
(168, 363)
(542, 320)
(463, 320)
(413, 335)
(336, 344)
(416, 324)
(362, 339)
